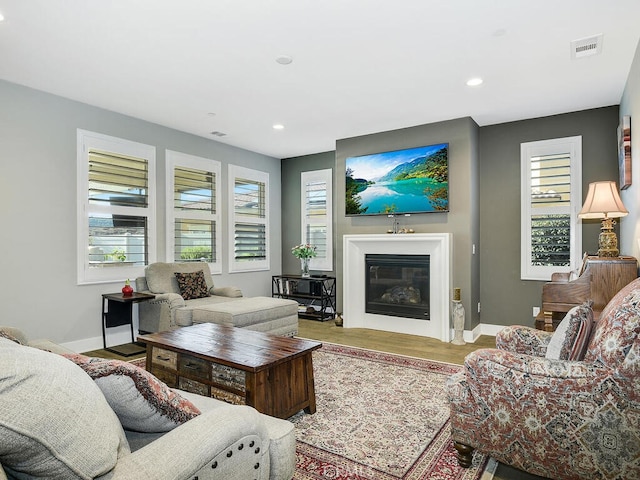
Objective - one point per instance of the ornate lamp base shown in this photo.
(607, 240)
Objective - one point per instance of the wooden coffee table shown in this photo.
(270, 373)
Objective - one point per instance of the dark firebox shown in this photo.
(397, 285)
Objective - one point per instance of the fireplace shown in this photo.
(436, 245)
(397, 285)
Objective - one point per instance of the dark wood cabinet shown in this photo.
(599, 280)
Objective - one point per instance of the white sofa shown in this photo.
(224, 305)
(56, 423)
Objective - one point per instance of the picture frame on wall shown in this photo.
(624, 152)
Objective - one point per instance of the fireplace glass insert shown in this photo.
(397, 285)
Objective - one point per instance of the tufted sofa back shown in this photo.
(618, 328)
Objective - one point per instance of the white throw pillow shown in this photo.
(569, 341)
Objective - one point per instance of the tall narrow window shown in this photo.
(116, 221)
(551, 198)
(317, 218)
(248, 216)
(193, 218)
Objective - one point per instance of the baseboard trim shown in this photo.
(95, 343)
(470, 336)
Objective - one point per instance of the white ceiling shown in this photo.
(359, 66)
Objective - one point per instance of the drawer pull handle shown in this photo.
(191, 366)
(164, 359)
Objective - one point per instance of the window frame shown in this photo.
(318, 176)
(258, 176)
(87, 141)
(571, 146)
(178, 159)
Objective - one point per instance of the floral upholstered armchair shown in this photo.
(537, 404)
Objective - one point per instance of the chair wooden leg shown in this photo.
(464, 454)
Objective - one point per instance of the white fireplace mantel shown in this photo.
(436, 245)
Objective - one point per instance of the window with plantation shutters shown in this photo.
(115, 207)
(193, 217)
(317, 218)
(551, 196)
(248, 214)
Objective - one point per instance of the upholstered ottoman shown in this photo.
(263, 314)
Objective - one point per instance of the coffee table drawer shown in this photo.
(228, 376)
(192, 386)
(166, 358)
(193, 366)
(228, 397)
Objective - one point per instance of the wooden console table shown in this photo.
(270, 373)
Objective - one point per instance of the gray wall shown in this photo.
(505, 298)
(630, 105)
(38, 186)
(485, 201)
(291, 204)
(461, 220)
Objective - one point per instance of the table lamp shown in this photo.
(603, 201)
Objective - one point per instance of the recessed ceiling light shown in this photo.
(1, 17)
(278, 126)
(474, 82)
(284, 59)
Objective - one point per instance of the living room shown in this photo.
(47, 291)
(39, 143)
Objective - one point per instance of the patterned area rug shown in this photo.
(379, 417)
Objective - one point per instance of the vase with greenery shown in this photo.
(304, 252)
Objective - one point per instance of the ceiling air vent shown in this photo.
(586, 47)
(218, 134)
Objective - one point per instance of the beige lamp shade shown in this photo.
(603, 201)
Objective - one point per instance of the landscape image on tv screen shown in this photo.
(414, 180)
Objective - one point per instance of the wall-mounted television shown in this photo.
(413, 180)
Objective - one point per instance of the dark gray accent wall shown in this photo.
(461, 220)
(484, 201)
(292, 204)
(506, 299)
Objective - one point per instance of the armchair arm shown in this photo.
(215, 445)
(526, 340)
(232, 292)
(490, 362)
(157, 315)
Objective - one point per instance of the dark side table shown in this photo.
(117, 310)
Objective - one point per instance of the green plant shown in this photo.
(117, 254)
(196, 253)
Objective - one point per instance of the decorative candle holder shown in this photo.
(458, 319)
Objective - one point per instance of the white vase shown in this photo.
(458, 323)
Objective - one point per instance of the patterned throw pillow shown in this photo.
(192, 285)
(570, 340)
(8, 336)
(141, 401)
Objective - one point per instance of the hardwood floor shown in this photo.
(400, 343)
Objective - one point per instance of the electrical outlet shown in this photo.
(536, 311)
(478, 307)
